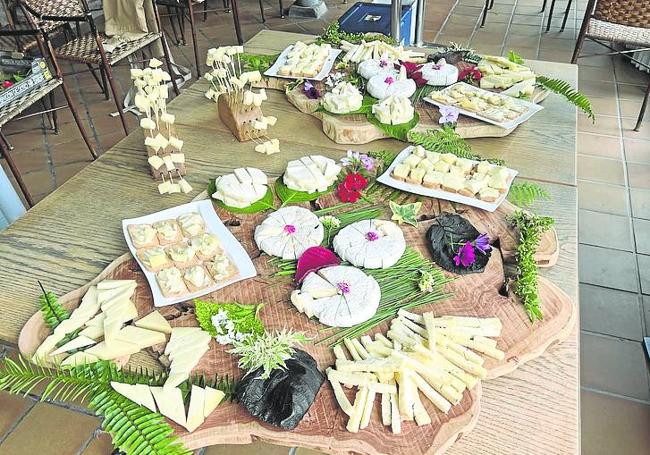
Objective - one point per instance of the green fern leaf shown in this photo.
(52, 311)
(525, 193)
(446, 140)
(564, 89)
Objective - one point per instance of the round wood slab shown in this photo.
(323, 427)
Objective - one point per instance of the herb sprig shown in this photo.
(531, 227)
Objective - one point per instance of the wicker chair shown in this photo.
(89, 49)
(12, 110)
(625, 22)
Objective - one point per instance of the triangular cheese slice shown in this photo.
(212, 399)
(79, 342)
(138, 393)
(111, 294)
(195, 415)
(113, 284)
(79, 358)
(175, 379)
(170, 403)
(178, 333)
(97, 321)
(144, 338)
(116, 349)
(94, 332)
(154, 321)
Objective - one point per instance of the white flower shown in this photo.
(330, 222)
(224, 339)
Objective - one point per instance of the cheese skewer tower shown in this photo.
(164, 148)
(239, 106)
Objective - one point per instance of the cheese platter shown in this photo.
(300, 61)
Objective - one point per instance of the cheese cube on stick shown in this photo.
(169, 164)
(155, 161)
(185, 186)
(174, 188)
(147, 124)
(177, 157)
(168, 118)
(163, 188)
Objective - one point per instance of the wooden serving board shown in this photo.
(323, 427)
(356, 129)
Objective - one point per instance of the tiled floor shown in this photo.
(614, 201)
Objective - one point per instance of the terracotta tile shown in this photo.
(613, 425)
(603, 198)
(628, 129)
(626, 72)
(601, 125)
(13, 408)
(637, 150)
(597, 314)
(247, 449)
(640, 203)
(100, 445)
(597, 169)
(60, 431)
(598, 89)
(595, 145)
(613, 365)
(613, 231)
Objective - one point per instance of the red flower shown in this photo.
(470, 74)
(347, 195)
(413, 71)
(7, 84)
(355, 181)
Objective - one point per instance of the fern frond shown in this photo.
(564, 89)
(446, 140)
(525, 193)
(53, 312)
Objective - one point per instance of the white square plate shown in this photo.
(387, 179)
(324, 72)
(213, 225)
(532, 107)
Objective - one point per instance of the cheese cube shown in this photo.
(155, 161)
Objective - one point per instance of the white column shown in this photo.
(11, 207)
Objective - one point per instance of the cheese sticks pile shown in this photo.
(374, 50)
(438, 356)
(165, 157)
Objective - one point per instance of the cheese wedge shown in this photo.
(113, 284)
(143, 338)
(94, 331)
(79, 358)
(77, 343)
(185, 349)
(195, 413)
(115, 294)
(116, 349)
(211, 400)
(138, 393)
(170, 403)
(116, 316)
(154, 321)
(46, 347)
(97, 321)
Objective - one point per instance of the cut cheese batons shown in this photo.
(154, 321)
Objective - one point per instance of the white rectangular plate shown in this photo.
(213, 225)
(532, 107)
(387, 179)
(324, 72)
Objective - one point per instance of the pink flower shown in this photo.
(7, 84)
(389, 80)
(371, 236)
(290, 229)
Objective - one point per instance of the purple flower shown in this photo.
(311, 91)
(436, 67)
(343, 287)
(367, 162)
(465, 255)
(389, 80)
(383, 63)
(448, 114)
(289, 229)
(482, 243)
(372, 236)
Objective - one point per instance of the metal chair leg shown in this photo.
(171, 21)
(550, 15)
(4, 151)
(543, 7)
(102, 71)
(281, 9)
(566, 14)
(643, 109)
(180, 17)
(194, 40)
(168, 60)
(235, 16)
(262, 11)
(55, 117)
(97, 79)
(485, 11)
(583, 32)
(4, 139)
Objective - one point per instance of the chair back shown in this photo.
(56, 10)
(633, 13)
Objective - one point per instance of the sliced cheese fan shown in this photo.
(242, 188)
(372, 244)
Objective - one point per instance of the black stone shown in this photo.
(444, 237)
(285, 397)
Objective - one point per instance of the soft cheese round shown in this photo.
(371, 68)
(338, 296)
(288, 232)
(242, 188)
(440, 73)
(372, 244)
(382, 86)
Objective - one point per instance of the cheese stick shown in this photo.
(351, 349)
(339, 353)
(357, 413)
(367, 409)
(341, 398)
(438, 400)
(360, 349)
(395, 417)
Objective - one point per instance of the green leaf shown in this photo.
(400, 131)
(333, 34)
(289, 196)
(266, 203)
(564, 89)
(447, 140)
(245, 317)
(366, 107)
(253, 62)
(405, 213)
(52, 311)
(526, 193)
(515, 58)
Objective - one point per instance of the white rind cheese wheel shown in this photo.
(311, 173)
(242, 188)
(288, 232)
(372, 244)
(371, 68)
(440, 73)
(382, 86)
(338, 296)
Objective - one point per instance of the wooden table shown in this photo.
(74, 233)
